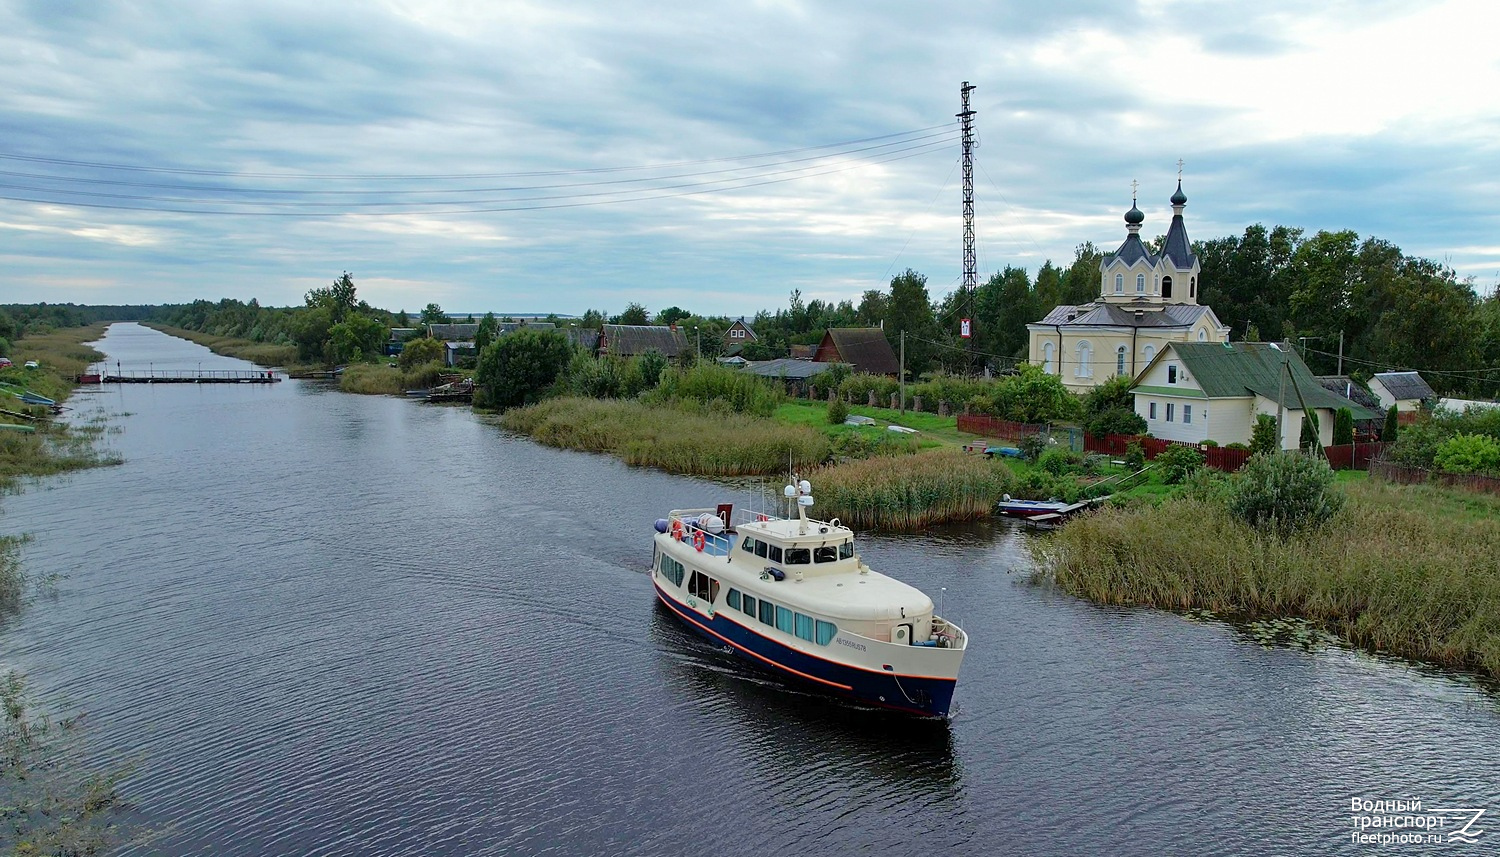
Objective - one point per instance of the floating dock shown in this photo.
(185, 376)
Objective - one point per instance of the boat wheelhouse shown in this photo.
(793, 595)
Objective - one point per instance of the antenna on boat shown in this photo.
(941, 592)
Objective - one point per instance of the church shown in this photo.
(1146, 300)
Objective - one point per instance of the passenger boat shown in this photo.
(793, 595)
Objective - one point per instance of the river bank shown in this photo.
(1403, 570)
(268, 354)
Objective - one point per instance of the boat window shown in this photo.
(775, 554)
(713, 590)
(760, 549)
(748, 544)
(846, 550)
(749, 605)
(733, 598)
(672, 570)
(783, 619)
(798, 556)
(804, 627)
(826, 631)
(767, 613)
(826, 553)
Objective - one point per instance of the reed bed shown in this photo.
(912, 491)
(259, 353)
(1391, 572)
(676, 440)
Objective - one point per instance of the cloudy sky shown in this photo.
(562, 155)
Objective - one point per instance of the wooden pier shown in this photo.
(185, 376)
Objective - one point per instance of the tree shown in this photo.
(1392, 426)
(672, 315)
(339, 299)
(1343, 427)
(873, 307)
(355, 338)
(489, 328)
(1033, 395)
(517, 369)
(911, 313)
(419, 352)
(1263, 437)
(1110, 409)
(402, 320)
(433, 314)
(1080, 283)
(634, 314)
(1308, 439)
(309, 329)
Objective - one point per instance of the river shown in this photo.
(329, 624)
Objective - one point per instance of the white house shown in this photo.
(1145, 301)
(1197, 391)
(1405, 390)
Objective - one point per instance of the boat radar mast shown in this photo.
(801, 492)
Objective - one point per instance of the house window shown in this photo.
(1140, 283)
(1120, 360)
(1170, 408)
(1172, 373)
(1187, 414)
(1085, 361)
(1119, 283)
(1151, 410)
(1047, 352)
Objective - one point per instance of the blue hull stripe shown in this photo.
(922, 695)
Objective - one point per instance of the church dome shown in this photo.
(1134, 215)
(1179, 198)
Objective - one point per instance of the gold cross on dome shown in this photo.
(1133, 185)
(1179, 169)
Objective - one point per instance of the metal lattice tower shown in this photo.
(971, 264)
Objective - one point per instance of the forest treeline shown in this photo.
(1393, 311)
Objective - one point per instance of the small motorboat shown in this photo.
(1029, 508)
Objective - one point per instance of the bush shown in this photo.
(719, 389)
(1236, 445)
(419, 351)
(1392, 429)
(1212, 444)
(1135, 456)
(519, 368)
(1308, 438)
(1285, 492)
(1263, 440)
(1178, 462)
(1343, 427)
(1059, 462)
(1032, 446)
(837, 412)
(1469, 453)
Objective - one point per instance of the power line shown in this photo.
(448, 177)
(694, 189)
(1457, 373)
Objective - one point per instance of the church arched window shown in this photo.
(1148, 352)
(1085, 360)
(1193, 288)
(1140, 283)
(1202, 335)
(1120, 360)
(1119, 283)
(1166, 287)
(1047, 353)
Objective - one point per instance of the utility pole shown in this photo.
(903, 372)
(1280, 408)
(1341, 353)
(971, 264)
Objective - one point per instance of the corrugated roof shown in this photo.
(864, 348)
(1405, 385)
(1346, 386)
(625, 340)
(786, 367)
(453, 331)
(1237, 369)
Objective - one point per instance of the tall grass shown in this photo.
(1390, 572)
(716, 388)
(912, 491)
(259, 353)
(673, 439)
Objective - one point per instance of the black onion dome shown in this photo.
(1179, 198)
(1134, 215)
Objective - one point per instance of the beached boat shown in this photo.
(1028, 508)
(793, 596)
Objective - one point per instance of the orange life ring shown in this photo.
(698, 540)
(677, 529)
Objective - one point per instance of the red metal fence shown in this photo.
(1354, 456)
(985, 425)
(1217, 457)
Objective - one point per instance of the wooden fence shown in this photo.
(1217, 457)
(1405, 474)
(1354, 456)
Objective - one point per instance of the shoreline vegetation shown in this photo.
(266, 354)
(51, 805)
(1409, 571)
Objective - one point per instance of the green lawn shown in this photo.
(934, 431)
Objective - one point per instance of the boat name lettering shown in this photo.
(852, 645)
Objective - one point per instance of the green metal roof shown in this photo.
(1238, 369)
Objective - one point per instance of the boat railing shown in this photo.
(686, 525)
